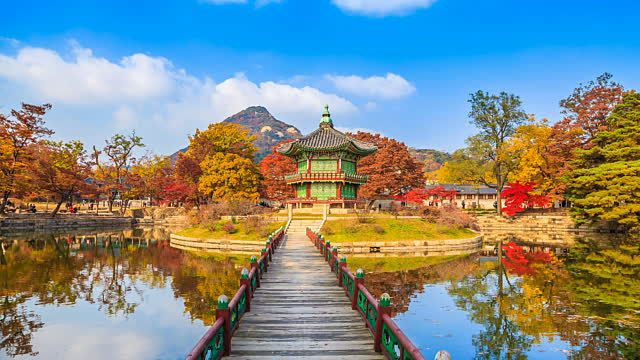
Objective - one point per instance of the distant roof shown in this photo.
(326, 138)
(466, 189)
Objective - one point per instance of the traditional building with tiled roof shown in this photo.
(327, 165)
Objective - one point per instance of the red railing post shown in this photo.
(269, 250)
(244, 280)
(334, 257)
(384, 308)
(263, 254)
(254, 265)
(359, 280)
(343, 268)
(327, 250)
(222, 312)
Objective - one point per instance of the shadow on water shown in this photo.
(539, 302)
(112, 273)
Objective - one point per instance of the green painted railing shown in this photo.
(216, 342)
(387, 336)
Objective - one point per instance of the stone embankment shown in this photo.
(554, 228)
(411, 247)
(217, 245)
(43, 222)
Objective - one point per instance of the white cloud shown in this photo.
(370, 106)
(87, 79)
(125, 118)
(150, 94)
(391, 86)
(382, 8)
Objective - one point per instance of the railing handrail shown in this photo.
(327, 175)
(246, 289)
(406, 346)
(204, 340)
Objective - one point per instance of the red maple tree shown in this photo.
(273, 168)
(391, 169)
(520, 196)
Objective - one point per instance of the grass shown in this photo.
(389, 229)
(215, 231)
(392, 264)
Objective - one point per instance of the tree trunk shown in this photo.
(58, 204)
(3, 203)
(499, 208)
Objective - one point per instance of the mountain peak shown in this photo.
(268, 130)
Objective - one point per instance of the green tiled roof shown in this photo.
(327, 138)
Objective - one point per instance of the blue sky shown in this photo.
(404, 68)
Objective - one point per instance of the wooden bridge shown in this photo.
(299, 300)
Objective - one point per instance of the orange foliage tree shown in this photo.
(273, 168)
(18, 131)
(391, 169)
(586, 111)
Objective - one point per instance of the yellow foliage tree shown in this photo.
(229, 177)
(530, 145)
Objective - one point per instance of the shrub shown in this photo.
(254, 224)
(229, 228)
(378, 229)
(327, 230)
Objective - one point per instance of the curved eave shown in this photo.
(294, 149)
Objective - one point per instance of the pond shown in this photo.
(128, 294)
(118, 295)
(580, 303)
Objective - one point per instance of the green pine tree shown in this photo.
(605, 184)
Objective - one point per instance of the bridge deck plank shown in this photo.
(299, 312)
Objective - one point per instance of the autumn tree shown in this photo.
(585, 113)
(59, 169)
(113, 171)
(605, 182)
(520, 196)
(149, 177)
(391, 169)
(18, 131)
(229, 177)
(590, 104)
(273, 169)
(226, 138)
(497, 117)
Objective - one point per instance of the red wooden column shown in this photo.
(222, 312)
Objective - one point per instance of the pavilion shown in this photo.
(327, 166)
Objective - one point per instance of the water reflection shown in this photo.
(532, 305)
(103, 282)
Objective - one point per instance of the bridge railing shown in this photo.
(216, 341)
(388, 337)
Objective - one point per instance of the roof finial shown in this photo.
(326, 118)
